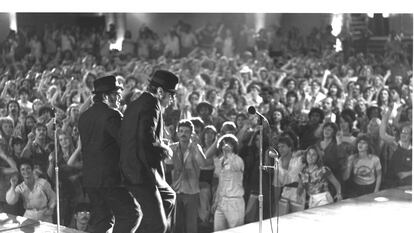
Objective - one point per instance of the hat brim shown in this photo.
(171, 91)
(107, 90)
(162, 86)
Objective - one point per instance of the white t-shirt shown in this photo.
(364, 170)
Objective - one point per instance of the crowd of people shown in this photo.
(341, 122)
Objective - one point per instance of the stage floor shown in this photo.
(388, 211)
(17, 224)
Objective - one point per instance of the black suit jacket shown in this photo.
(99, 132)
(141, 161)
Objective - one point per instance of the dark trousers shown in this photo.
(157, 204)
(187, 213)
(109, 204)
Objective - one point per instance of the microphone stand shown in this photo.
(260, 174)
(57, 178)
(262, 168)
(273, 154)
(261, 119)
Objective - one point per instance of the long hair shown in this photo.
(225, 104)
(59, 147)
(365, 138)
(333, 126)
(5, 120)
(8, 105)
(338, 93)
(319, 162)
(380, 101)
(203, 135)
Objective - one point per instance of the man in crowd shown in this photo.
(81, 217)
(99, 132)
(143, 151)
(188, 157)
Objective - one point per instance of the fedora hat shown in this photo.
(105, 84)
(165, 79)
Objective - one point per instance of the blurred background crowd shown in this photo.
(317, 99)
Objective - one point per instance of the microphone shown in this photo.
(252, 111)
(273, 153)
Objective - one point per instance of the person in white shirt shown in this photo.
(24, 100)
(229, 204)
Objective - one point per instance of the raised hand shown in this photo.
(31, 137)
(13, 181)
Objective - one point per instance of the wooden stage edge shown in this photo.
(387, 211)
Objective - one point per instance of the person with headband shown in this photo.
(229, 206)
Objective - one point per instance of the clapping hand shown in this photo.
(31, 137)
(13, 181)
(167, 150)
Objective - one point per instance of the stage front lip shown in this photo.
(15, 224)
(387, 211)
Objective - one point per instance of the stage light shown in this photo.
(338, 45)
(259, 21)
(337, 22)
(381, 199)
(117, 45)
(385, 15)
(13, 21)
(371, 15)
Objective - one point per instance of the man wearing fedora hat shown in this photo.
(143, 150)
(99, 128)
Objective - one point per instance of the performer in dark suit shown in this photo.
(99, 129)
(143, 151)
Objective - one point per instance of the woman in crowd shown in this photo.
(207, 139)
(250, 153)
(400, 160)
(38, 148)
(345, 141)
(39, 200)
(229, 104)
(6, 131)
(384, 99)
(229, 205)
(314, 180)
(286, 178)
(69, 176)
(329, 148)
(363, 169)
(8, 168)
